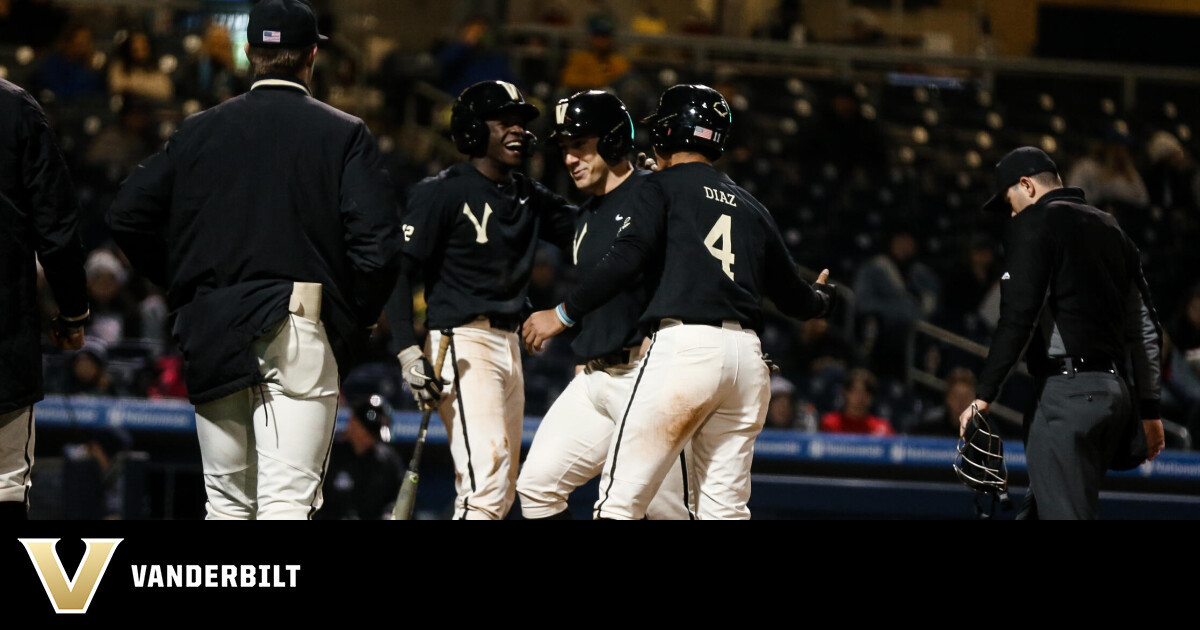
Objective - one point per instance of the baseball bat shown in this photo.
(407, 498)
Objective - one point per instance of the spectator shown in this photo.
(211, 75)
(134, 71)
(781, 412)
(168, 381)
(472, 58)
(1185, 331)
(365, 471)
(943, 419)
(820, 348)
(68, 71)
(88, 373)
(973, 279)
(785, 411)
(598, 66)
(894, 291)
(648, 20)
(1108, 177)
(855, 415)
(114, 315)
(119, 147)
(1171, 177)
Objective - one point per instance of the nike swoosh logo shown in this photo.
(522, 202)
(619, 217)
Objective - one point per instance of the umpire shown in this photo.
(272, 223)
(1073, 291)
(38, 211)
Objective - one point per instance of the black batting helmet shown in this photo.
(691, 118)
(375, 414)
(595, 114)
(479, 103)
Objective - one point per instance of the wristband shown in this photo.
(562, 316)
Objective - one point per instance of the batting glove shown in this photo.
(418, 373)
(831, 298)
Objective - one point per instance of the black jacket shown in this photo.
(38, 211)
(1073, 282)
(266, 189)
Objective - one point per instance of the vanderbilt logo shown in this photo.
(71, 596)
(480, 226)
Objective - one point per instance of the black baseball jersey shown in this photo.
(614, 324)
(474, 241)
(723, 253)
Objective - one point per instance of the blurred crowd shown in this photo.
(858, 175)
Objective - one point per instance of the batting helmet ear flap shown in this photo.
(468, 131)
(618, 141)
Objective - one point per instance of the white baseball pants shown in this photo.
(266, 448)
(572, 443)
(483, 408)
(16, 454)
(700, 383)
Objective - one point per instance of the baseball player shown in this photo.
(273, 225)
(703, 378)
(595, 133)
(38, 216)
(473, 231)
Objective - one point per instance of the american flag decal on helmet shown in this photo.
(701, 132)
(272, 37)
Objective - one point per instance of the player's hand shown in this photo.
(965, 416)
(645, 162)
(418, 373)
(65, 335)
(1156, 440)
(539, 328)
(828, 290)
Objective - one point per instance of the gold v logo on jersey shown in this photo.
(71, 596)
(579, 241)
(480, 228)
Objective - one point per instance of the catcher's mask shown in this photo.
(980, 463)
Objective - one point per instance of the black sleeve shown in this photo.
(787, 290)
(424, 230)
(55, 210)
(1030, 253)
(370, 216)
(558, 218)
(630, 251)
(399, 310)
(1144, 338)
(138, 216)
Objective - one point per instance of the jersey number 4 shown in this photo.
(720, 232)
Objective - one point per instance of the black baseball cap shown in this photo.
(282, 24)
(1022, 162)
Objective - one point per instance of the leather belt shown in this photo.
(624, 357)
(1069, 366)
(508, 323)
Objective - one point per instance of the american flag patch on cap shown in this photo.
(701, 132)
(272, 37)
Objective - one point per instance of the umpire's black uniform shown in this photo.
(38, 210)
(1073, 283)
